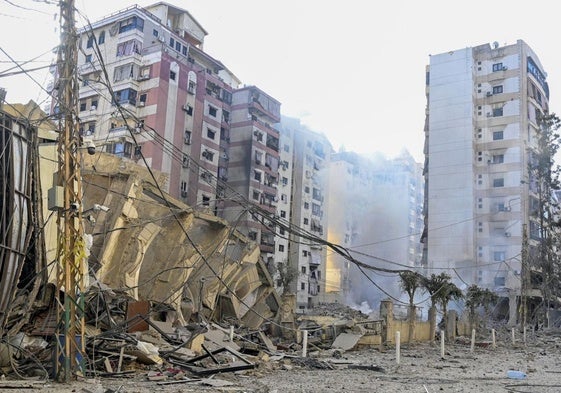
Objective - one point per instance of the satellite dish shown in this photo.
(495, 45)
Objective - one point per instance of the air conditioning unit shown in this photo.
(505, 68)
(161, 38)
(507, 234)
(93, 108)
(184, 194)
(141, 103)
(489, 114)
(489, 94)
(143, 77)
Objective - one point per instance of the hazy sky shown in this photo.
(354, 70)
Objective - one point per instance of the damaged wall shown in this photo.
(159, 249)
(21, 248)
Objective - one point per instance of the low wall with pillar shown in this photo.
(421, 329)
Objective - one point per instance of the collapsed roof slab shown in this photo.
(154, 247)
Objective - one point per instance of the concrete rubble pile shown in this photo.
(156, 267)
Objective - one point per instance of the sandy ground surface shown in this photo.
(421, 369)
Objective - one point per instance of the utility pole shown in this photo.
(70, 255)
(524, 274)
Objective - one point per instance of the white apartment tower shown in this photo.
(482, 105)
(308, 203)
(282, 240)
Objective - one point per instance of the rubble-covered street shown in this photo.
(193, 243)
(366, 370)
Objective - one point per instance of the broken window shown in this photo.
(127, 71)
(134, 22)
(271, 162)
(208, 155)
(272, 142)
(258, 157)
(129, 47)
(126, 96)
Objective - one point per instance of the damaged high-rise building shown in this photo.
(170, 106)
(306, 155)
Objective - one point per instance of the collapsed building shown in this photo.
(147, 255)
(153, 247)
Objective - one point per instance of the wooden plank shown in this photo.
(120, 359)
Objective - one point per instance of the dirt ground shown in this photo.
(421, 369)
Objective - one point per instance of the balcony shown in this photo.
(267, 248)
(263, 105)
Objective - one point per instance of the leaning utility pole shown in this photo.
(70, 266)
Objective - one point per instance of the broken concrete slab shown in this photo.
(346, 341)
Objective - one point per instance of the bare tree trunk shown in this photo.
(432, 322)
(412, 317)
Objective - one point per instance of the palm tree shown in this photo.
(475, 297)
(410, 282)
(438, 287)
(448, 292)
